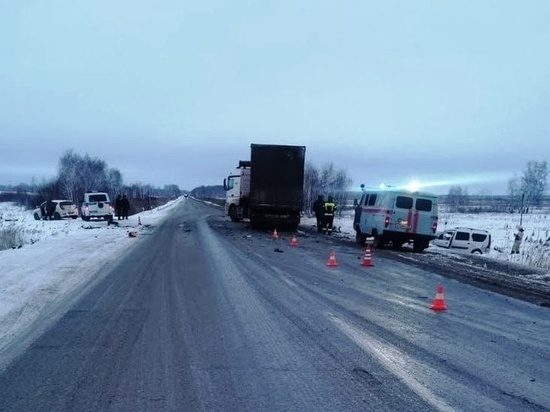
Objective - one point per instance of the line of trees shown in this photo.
(78, 174)
(327, 181)
(524, 191)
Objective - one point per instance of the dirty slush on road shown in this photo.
(506, 278)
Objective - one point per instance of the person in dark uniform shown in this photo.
(319, 211)
(329, 208)
(50, 210)
(124, 207)
(118, 207)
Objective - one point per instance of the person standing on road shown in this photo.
(118, 207)
(329, 208)
(518, 237)
(319, 211)
(124, 207)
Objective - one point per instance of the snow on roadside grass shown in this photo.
(535, 248)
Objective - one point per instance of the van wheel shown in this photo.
(378, 242)
(477, 252)
(419, 246)
(57, 216)
(36, 216)
(397, 245)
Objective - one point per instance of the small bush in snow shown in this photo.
(10, 237)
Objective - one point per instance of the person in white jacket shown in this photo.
(518, 237)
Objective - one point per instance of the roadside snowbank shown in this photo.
(57, 258)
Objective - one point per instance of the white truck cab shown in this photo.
(397, 217)
(237, 191)
(465, 239)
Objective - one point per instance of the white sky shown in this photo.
(175, 92)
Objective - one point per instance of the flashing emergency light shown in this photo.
(414, 186)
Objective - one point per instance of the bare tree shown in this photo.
(341, 184)
(329, 181)
(172, 191)
(457, 197)
(114, 181)
(534, 182)
(514, 191)
(311, 185)
(68, 175)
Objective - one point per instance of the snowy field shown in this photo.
(535, 248)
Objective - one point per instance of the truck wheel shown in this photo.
(233, 213)
(397, 245)
(360, 237)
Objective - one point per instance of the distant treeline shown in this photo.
(78, 174)
(467, 203)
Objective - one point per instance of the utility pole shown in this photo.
(521, 210)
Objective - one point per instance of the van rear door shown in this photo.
(425, 216)
(414, 215)
(402, 220)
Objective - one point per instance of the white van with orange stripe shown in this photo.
(396, 217)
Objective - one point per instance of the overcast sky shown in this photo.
(174, 92)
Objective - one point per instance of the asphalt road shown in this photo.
(207, 315)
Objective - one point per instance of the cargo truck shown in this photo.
(268, 188)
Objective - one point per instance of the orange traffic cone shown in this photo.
(332, 260)
(439, 301)
(294, 241)
(275, 234)
(367, 260)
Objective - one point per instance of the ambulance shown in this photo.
(395, 216)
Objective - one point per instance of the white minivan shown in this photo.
(465, 239)
(397, 217)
